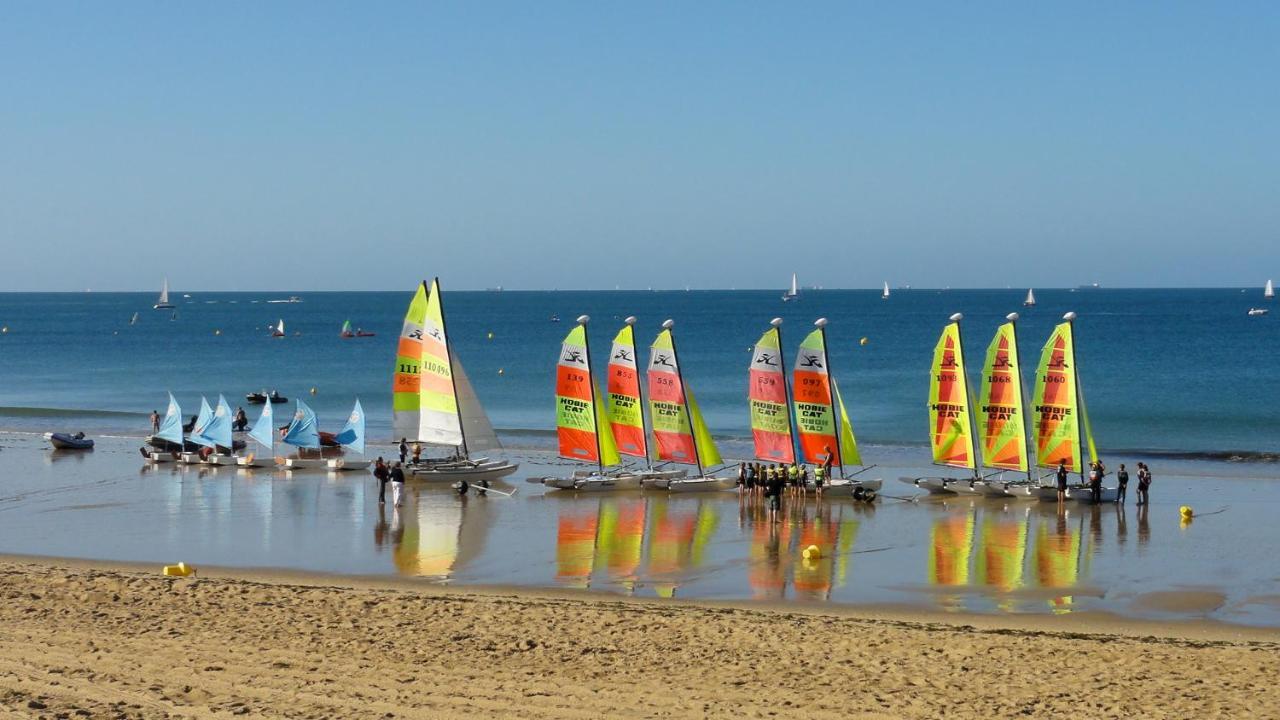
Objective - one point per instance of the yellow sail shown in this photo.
(849, 454)
(1000, 412)
(438, 398)
(1055, 403)
(708, 453)
(950, 429)
(405, 398)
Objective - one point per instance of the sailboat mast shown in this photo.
(786, 391)
(684, 395)
(453, 380)
(1026, 441)
(1071, 325)
(644, 429)
(973, 429)
(595, 416)
(821, 323)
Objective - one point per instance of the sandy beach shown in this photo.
(84, 639)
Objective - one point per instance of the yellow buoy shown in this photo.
(813, 552)
(180, 570)
(1186, 511)
(863, 341)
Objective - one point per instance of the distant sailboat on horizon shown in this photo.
(1269, 291)
(162, 303)
(885, 295)
(279, 329)
(792, 293)
(1031, 298)
(134, 320)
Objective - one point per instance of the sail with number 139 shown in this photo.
(582, 424)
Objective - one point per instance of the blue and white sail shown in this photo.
(304, 431)
(171, 426)
(202, 422)
(352, 434)
(217, 432)
(263, 431)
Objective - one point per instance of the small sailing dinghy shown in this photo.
(162, 303)
(167, 442)
(218, 433)
(433, 401)
(792, 293)
(1061, 420)
(303, 433)
(279, 329)
(822, 421)
(1031, 298)
(351, 437)
(263, 432)
(679, 431)
(950, 419)
(347, 332)
(884, 295)
(1001, 424)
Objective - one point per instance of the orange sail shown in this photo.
(1004, 440)
(623, 389)
(815, 416)
(951, 432)
(767, 400)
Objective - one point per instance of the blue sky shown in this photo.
(547, 145)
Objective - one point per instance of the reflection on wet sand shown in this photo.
(1060, 555)
(434, 534)
(774, 557)
(604, 542)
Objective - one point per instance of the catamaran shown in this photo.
(1060, 417)
(1001, 424)
(163, 302)
(884, 295)
(433, 401)
(950, 419)
(793, 292)
(679, 431)
(822, 421)
(1031, 298)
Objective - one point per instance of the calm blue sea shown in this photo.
(1164, 371)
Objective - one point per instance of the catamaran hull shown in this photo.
(1085, 495)
(932, 485)
(304, 463)
(493, 470)
(586, 481)
(343, 464)
(696, 484)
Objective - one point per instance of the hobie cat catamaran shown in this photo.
(678, 429)
(820, 428)
(1001, 414)
(433, 401)
(950, 420)
(1060, 417)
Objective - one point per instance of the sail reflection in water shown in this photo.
(774, 559)
(991, 557)
(434, 535)
(633, 542)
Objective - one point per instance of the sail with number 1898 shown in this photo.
(951, 435)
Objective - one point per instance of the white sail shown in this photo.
(1269, 291)
(134, 319)
(477, 430)
(794, 289)
(885, 294)
(280, 327)
(1031, 298)
(164, 293)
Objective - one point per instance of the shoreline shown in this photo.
(105, 638)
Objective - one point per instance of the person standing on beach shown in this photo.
(382, 475)
(155, 422)
(397, 485)
(1122, 477)
(1144, 484)
(404, 450)
(774, 493)
(1062, 482)
(1095, 481)
(742, 478)
(828, 460)
(417, 453)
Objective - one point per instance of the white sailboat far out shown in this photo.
(885, 295)
(1269, 291)
(162, 303)
(1031, 298)
(279, 329)
(792, 293)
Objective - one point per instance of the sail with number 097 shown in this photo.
(951, 434)
(815, 416)
(767, 398)
(1000, 411)
(626, 414)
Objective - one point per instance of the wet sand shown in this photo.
(95, 640)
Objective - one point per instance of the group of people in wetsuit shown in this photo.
(1097, 471)
(774, 480)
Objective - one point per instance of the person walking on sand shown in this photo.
(397, 486)
(404, 450)
(155, 422)
(1122, 477)
(1062, 482)
(382, 475)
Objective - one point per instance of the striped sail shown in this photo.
(1000, 411)
(815, 416)
(767, 400)
(623, 385)
(580, 420)
(951, 432)
(438, 418)
(405, 401)
(1057, 412)
(678, 429)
